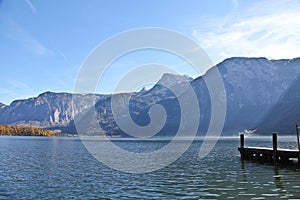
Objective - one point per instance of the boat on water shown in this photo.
(247, 132)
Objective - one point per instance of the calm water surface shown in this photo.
(61, 168)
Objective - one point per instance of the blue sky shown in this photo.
(43, 43)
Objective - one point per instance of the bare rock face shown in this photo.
(170, 80)
(260, 93)
(2, 105)
(254, 87)
(47, 110)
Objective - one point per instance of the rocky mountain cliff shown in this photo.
(2, 105)
(261, 94)
(47, 110)
(254, 87)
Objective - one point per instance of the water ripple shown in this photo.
(61, 168)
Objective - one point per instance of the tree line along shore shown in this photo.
(8, 130)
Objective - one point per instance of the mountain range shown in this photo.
(261, 94)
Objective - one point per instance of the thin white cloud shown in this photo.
(267, 29)
(35, 46)
(15, 89)
(32, 7)
(19, 86)
(15, 32)
(59, 52)
(235, 4)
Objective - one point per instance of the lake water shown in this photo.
(61, 168)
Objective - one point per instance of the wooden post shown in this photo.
(298, 142)
(242, 144)
(297, 131)
(275, 156)
(242, 140)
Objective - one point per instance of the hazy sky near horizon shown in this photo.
(44, 43)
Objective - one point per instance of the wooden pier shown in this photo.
(273, 155)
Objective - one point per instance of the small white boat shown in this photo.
(247, 132)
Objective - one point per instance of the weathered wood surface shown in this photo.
(269, 151)
(274, 154)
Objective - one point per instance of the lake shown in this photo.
(62, 168)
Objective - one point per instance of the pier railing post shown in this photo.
(298, 142)
(242, 140)
(297, 132)
(275, 156)
(242, 144)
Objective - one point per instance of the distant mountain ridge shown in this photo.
(261, 94)
(254, 87)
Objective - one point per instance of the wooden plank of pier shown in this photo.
(274, 154)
